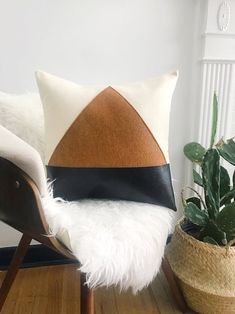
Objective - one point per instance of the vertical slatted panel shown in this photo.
(216, 77)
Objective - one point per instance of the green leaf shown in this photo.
(226, 220)
(197, 178)
(211, 181)
(213, 231)
(214, 120)
(210, 240)
(224, 181)
(194, 200)
(195, 214)
(226, 199)
(227, 150)
(194, 152)
(234, 179)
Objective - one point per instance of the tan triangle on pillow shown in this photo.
(108, 133)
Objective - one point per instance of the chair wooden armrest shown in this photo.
(21, 208)
(20, 204)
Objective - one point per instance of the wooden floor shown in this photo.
(55, 290)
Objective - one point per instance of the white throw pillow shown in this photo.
(109, 142)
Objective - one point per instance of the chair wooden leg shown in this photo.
(13, 268)
(87, 305)
(174, 286)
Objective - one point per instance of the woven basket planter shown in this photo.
(206, 273)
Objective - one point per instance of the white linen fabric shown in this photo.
(117, 242)
(23, 156)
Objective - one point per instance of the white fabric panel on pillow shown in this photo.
(64, 100)
(152, 100)
(23, 115)
(23, 156)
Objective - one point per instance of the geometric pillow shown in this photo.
(109, 142)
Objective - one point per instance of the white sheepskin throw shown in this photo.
(117, 242)
(23, 116)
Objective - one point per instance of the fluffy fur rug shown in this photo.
(23, 116)
(117, 242)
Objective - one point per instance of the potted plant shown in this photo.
(202, 252)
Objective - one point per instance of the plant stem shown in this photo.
(188, 187)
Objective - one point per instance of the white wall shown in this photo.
(101, 41)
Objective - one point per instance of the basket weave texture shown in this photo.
(206, 273)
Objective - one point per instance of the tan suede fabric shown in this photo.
(108, 133)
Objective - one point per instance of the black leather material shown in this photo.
(140, 184)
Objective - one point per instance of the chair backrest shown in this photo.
(17, 151)
(22, 179)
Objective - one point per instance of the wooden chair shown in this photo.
(21, 208)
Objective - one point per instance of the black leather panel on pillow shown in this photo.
(139, 184)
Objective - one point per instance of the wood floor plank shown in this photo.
(127, 303)
(161, 293)
(56, 289)
(105, 301)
